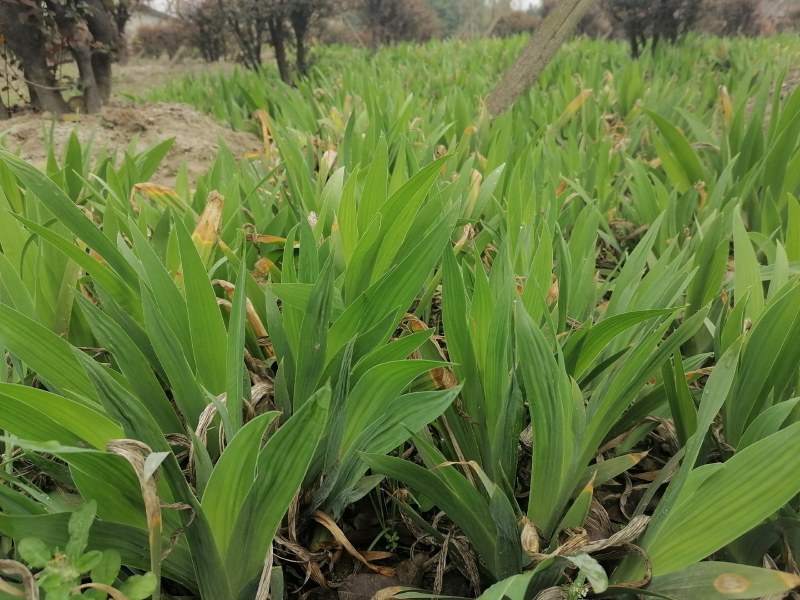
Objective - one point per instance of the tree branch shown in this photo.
(544, 44)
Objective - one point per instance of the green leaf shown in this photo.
(592, 569)
(385, 381)
(276, 483)
(232, 479)
(714, 395)
(189, 395)
(793, 230)
(139, 587)
(465, 506)
(549, 395)
(236, 372)
(768, 422)
(205, 320)
(107, 569)
(719, 580)
(48, 354)
(34, 552)
(88, 561)
(586, 345)
(398, 215)
(314, 337)
(26, 412)
(132, 363)
(130, 542)
(681, 403)
(747, 276)
(769, 361)
(67, 213)
(117, 286)
(685, 157)
(80, 522)
(721, 509)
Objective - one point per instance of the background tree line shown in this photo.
(40, 34)
(244, 26)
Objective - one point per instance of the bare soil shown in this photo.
(196, 135)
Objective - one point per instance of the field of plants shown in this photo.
(411, 351)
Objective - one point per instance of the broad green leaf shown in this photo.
(232, 478)
(686, 158)
(719, 580)
(164, 292)
(594, 572)
(385, 381)
(768, 422)
(681, 403)
(189, 394)
(714, 395)
(793, 230)
(133, 365)
(67, 213)
(398, 215)
(276, 483)
(139, 587)
(769, 361)
(34, 552)
(205, 320)
(549, 397)
(310, 361)
(586, 345)
(721, 508)
(747, 276)
(48, 354)
(32, 408)
(80, 522)
(117, 286)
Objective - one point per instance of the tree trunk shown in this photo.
(106, 42)
(277, 33)
(544, 44)
(27, 43)
(299, 20)
(77, 36)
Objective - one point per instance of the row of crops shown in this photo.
(554, 350)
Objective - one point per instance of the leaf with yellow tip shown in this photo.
(572, 108)
(725, 105)
(263, 118)
(206, 233)
(163, 196)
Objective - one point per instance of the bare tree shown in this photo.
(282, 23)
(392, 21)
(645, 19)
(734, 17)
(89, 32)
(208, 32)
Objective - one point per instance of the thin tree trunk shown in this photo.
(299, 21)
(544, 44)
(80, 45)
(106, 43)
(277, 33)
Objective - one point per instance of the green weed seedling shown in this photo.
(72, 572)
